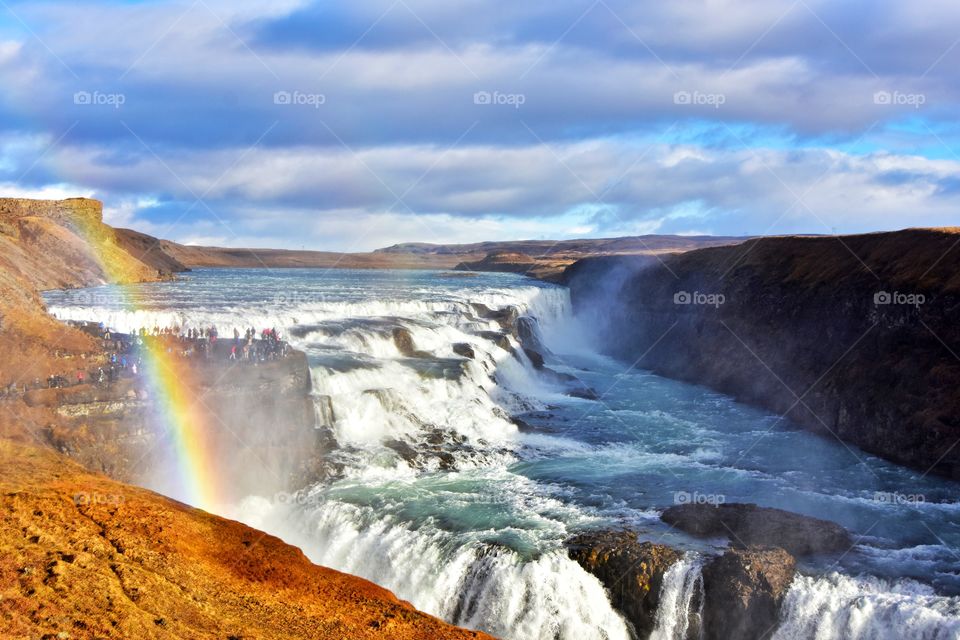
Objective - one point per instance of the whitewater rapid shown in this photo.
(443, 499)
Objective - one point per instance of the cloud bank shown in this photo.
(349, 126)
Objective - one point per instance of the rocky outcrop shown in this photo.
(742, 592)
(749, 525)
(118, 428)
(464, 350)
(739, 594)
(854, 337)
(403, 340)
(632, 571)
(83, 556)
(61, 244)
(502, 261)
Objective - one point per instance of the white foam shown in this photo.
(866, 608)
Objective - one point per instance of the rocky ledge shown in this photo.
(738, 594)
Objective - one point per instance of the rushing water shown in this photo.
(445, 501)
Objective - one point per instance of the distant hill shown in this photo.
(592, 246)
(537, 258)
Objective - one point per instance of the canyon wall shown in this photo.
(853, 337)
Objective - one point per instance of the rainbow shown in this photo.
(169, 381)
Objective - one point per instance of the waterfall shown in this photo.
(866, 608)
(436, 493)
(681, 601)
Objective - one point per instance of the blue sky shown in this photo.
(351, 126)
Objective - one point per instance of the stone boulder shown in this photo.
(632, 571)
(403, 339)
(748, 524)
(464, 350)
(742, 592)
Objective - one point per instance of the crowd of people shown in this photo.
(204, 343)
(125, 352)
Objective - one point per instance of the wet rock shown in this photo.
(535, 358)
(505, 317)
(464, 350)
(743, 590)
(632, 571)
(748, 524)
(403, 339)
(325, 415)
(404, 450)
(499, 338)
(528, 332)
(556, 376)
(585, 393)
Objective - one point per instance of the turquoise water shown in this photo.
(446, 501)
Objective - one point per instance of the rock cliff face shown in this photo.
(48, 244)
(259, 419)
(57, 244)
(853, 337)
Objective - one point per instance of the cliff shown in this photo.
(851, 337)
(258, 419)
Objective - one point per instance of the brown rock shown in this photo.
(742, 592)
(748, 524)
(464, 350)
(404, 341)
(632, 571)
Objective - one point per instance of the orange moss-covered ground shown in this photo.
(86, 556)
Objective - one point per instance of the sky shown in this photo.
(354, 125)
